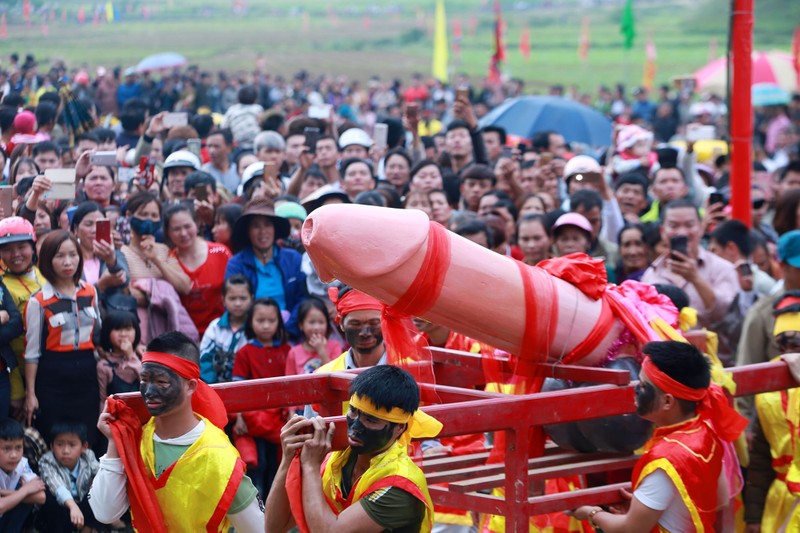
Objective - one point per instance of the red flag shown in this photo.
(366, 22)
(81, 15)
(96, 18)
(796, 53)
(525, 44)
(332, 17)
(53, 14)
(306, 21)
(64, 15)
(3, 29)
(583, 44)
(499, 47)
(26, 11)
(45, 31)
(648, 79)
(457, 36)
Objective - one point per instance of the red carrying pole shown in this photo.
(741, 112)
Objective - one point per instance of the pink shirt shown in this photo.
(302, 361)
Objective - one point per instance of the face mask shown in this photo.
(645, 398)
(372, 440)
(144, 227)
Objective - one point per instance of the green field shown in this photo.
(397, 44)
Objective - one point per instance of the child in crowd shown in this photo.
(20, 488)
(257, 433)
(119, 366)
(226, 335)
(67, 471)
(317, 348)
(634, 145)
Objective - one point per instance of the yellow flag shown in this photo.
(109, 11)
(440, 43)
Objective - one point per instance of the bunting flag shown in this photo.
(457, 36)
(648, 79)
(628, 26)
(796, 53)
(440, 43)
(712, 49)
(584, 42)
(3, 28)
(26, 12)
(109, 11)
(499, 54)
(525, 44)
(473, 25)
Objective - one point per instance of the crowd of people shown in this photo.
(180, 232)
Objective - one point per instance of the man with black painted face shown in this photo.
(372, 485)
(679, 482)
(179, 472)
(359, 316)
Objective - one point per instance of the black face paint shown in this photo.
(372, 440)
(365, 339)
(645, 398)
(161, 388)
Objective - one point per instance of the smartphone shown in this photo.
(745, 269)
(545, 159)
(102, 228)
(699, 132)
(312, 135)
(462, 93)
(201, 193)
(507, 152)
(319, 111)
(193, 145)
(716, 198)
(104, 159)
(63, 184)
(380, 135)
(271, 170)
(125, 174)
(175, 120)
(7, 201)
(680, 244)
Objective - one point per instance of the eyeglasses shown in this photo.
(758, 204)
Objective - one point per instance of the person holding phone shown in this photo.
(710, 281)
(104, 266)
(148, 259)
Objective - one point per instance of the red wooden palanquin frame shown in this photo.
(464, 410)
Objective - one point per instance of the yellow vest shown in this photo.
(337, 365)
(392, 468)
(21, 289)
(195, 493)
(779, 415)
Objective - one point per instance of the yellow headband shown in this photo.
(786, 322)
(420, 425)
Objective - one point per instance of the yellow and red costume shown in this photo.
(391, 468)
(691, 453)
(195, 493)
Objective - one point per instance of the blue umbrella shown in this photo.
(769, 94)
(527, 115)
(163, 61)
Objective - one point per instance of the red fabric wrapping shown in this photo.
(205, 401)
(126, 431)
(294, 492)
(712, 405)
(586, 273)
(396, 325)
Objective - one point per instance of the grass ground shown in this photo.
(400, 43)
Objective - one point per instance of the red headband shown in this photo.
(205, 401)
(712, 405)
(353, 300)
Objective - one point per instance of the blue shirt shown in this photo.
(270, 282)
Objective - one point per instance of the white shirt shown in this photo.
(108, 496)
